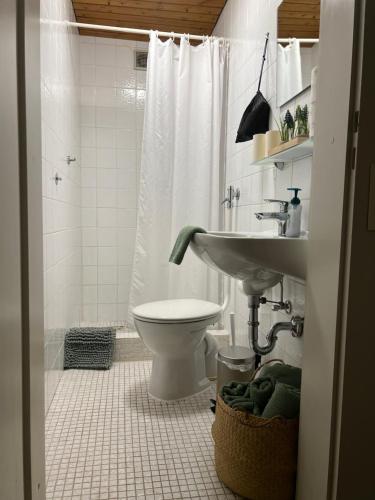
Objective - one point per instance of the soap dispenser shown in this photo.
(293, 229)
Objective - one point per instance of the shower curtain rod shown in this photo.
(301, 40)
(134, 31)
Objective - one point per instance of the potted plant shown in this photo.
(301, 120)
(285, 127)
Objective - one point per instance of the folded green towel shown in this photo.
(250, 396)
(284, 402)
(183, 239)
(280, 372)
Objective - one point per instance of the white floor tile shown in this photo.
(107, 439)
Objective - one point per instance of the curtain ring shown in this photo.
(172, 35)
(156, 33)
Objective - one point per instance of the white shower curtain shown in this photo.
(289, 71)
(181, 167)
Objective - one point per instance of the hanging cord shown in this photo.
(263, 60)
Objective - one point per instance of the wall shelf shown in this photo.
(293, 153)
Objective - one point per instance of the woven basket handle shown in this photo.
(276, 360)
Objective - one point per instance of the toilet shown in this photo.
(184, 354)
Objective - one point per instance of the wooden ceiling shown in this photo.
(299, 19)
(197, 17)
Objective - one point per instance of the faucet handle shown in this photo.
(283, 204)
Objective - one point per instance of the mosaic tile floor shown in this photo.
(107, 439)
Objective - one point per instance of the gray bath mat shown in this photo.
(89, 348)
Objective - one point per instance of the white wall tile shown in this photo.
(105, 76)
(87, 53)
(107, 275)
(125, 139)
(107, 198)
(61, 121)
(90, 256)
(105, 137)
(107, 178)
(88, 116)
(88, 177)
(88, 157)
(106, 117)
(107, 217)
(105, 55)
(105, 96)
(90, 294)
(88, 138)
(88, 96)
(126, 159)
(88, 197)
(107, 236)
(89, 275)
(124, 57)
(107, 294)
(245, 22)
(87, 75)
(107, 312)
(107, 256)
(111, 90)
(89, 237)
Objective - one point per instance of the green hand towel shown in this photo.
(284, 402)
(183, 239)
(251, 396)
(285, 374)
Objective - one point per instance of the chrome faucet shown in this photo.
(281, 217)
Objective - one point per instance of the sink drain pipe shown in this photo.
(294, 326)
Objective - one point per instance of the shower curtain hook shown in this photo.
(172, 35)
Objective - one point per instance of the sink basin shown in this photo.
(259, 260)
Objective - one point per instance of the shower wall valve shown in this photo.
(57, 178)
(232, 194)
(70, 159)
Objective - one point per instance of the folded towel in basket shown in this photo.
(276, 392)
(284, 402)
(250, 396)
(283, 373)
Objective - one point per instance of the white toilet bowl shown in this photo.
(175, 332)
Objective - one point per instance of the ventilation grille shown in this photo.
(140, 59)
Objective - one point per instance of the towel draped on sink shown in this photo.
(182, 242)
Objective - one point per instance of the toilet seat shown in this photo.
(176, 311)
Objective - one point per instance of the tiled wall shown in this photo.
(62, 202)
(245, 23)
(112, 102)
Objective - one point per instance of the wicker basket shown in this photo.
(255, 457)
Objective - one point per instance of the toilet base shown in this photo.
(178, 378)
(206, 389)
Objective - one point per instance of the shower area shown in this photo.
(116, 188)
(122, 174)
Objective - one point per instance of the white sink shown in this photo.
(259, 260)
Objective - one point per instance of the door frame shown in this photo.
(339, 271)
(21, 255)
(341, 267)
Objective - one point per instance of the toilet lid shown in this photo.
(176, 311)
